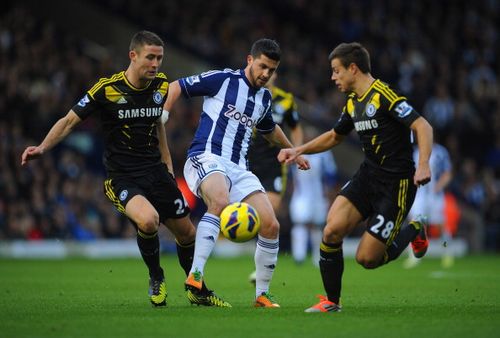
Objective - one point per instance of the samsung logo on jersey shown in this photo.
(139, 112)
(365, 125)
(244, 119)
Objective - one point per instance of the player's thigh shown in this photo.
(128, 197)
(142, 213)
(215, 192)
(342, 218)
(269, 226)
(166, 197)
(182, 228)
(301, 211)
(206, 176)
(275, 199)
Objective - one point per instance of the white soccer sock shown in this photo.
(266, 256)
(316, 238)
(299, 242)
(206, 237)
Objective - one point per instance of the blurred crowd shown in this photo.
(442, 55)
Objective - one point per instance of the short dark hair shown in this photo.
(352, 52)
(145, 38)
(268, 47)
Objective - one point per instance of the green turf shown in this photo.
(107, 298)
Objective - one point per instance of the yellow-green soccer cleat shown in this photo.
(158, 292)
(206, 298)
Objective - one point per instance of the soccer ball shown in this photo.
(239, 222)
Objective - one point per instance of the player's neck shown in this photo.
(363, 83)
(134, 80)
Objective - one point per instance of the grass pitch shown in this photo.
(108, 298)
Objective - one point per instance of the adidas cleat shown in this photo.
(206, 298)
(158, 292)
(266, 300)
(194, 282)
(324, 305)
(420, 243)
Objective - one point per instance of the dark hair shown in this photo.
(268, 47)
(145, 38)
(352, 52)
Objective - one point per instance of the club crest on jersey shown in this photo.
(242, 118)
(370, 110)
(83, 102)
(157, 97)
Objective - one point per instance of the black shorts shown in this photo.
(272, 175)
(158, 187)
(383, 199)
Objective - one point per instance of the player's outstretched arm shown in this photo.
(57, 133)
(319, 144)
(278, 137)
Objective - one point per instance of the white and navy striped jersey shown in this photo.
(231, 109)
(439, 163)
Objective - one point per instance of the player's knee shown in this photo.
(368, 262)
(270, 229)
(149, 223)
(217, 204)
(332, 234)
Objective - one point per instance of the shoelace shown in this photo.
(156, 286)
(322, 298)
(268, 296)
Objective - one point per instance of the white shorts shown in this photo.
(305, 210)
(241, 181)
(430, 205)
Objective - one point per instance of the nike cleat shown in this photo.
(194, 282)
(420, 243)
(324, 305)
(266, 300)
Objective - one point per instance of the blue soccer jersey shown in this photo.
(232, 107)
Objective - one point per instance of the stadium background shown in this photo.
(442, 54)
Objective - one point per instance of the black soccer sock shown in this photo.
(331, 265)
(185, 253)
(149, 246)
(405, 236)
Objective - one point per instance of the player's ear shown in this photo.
(249, 59)
(132, 55)
(353, 68)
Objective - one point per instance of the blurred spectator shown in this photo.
(44, 69)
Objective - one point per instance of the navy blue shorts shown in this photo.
(158, 187)
(383, 199)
